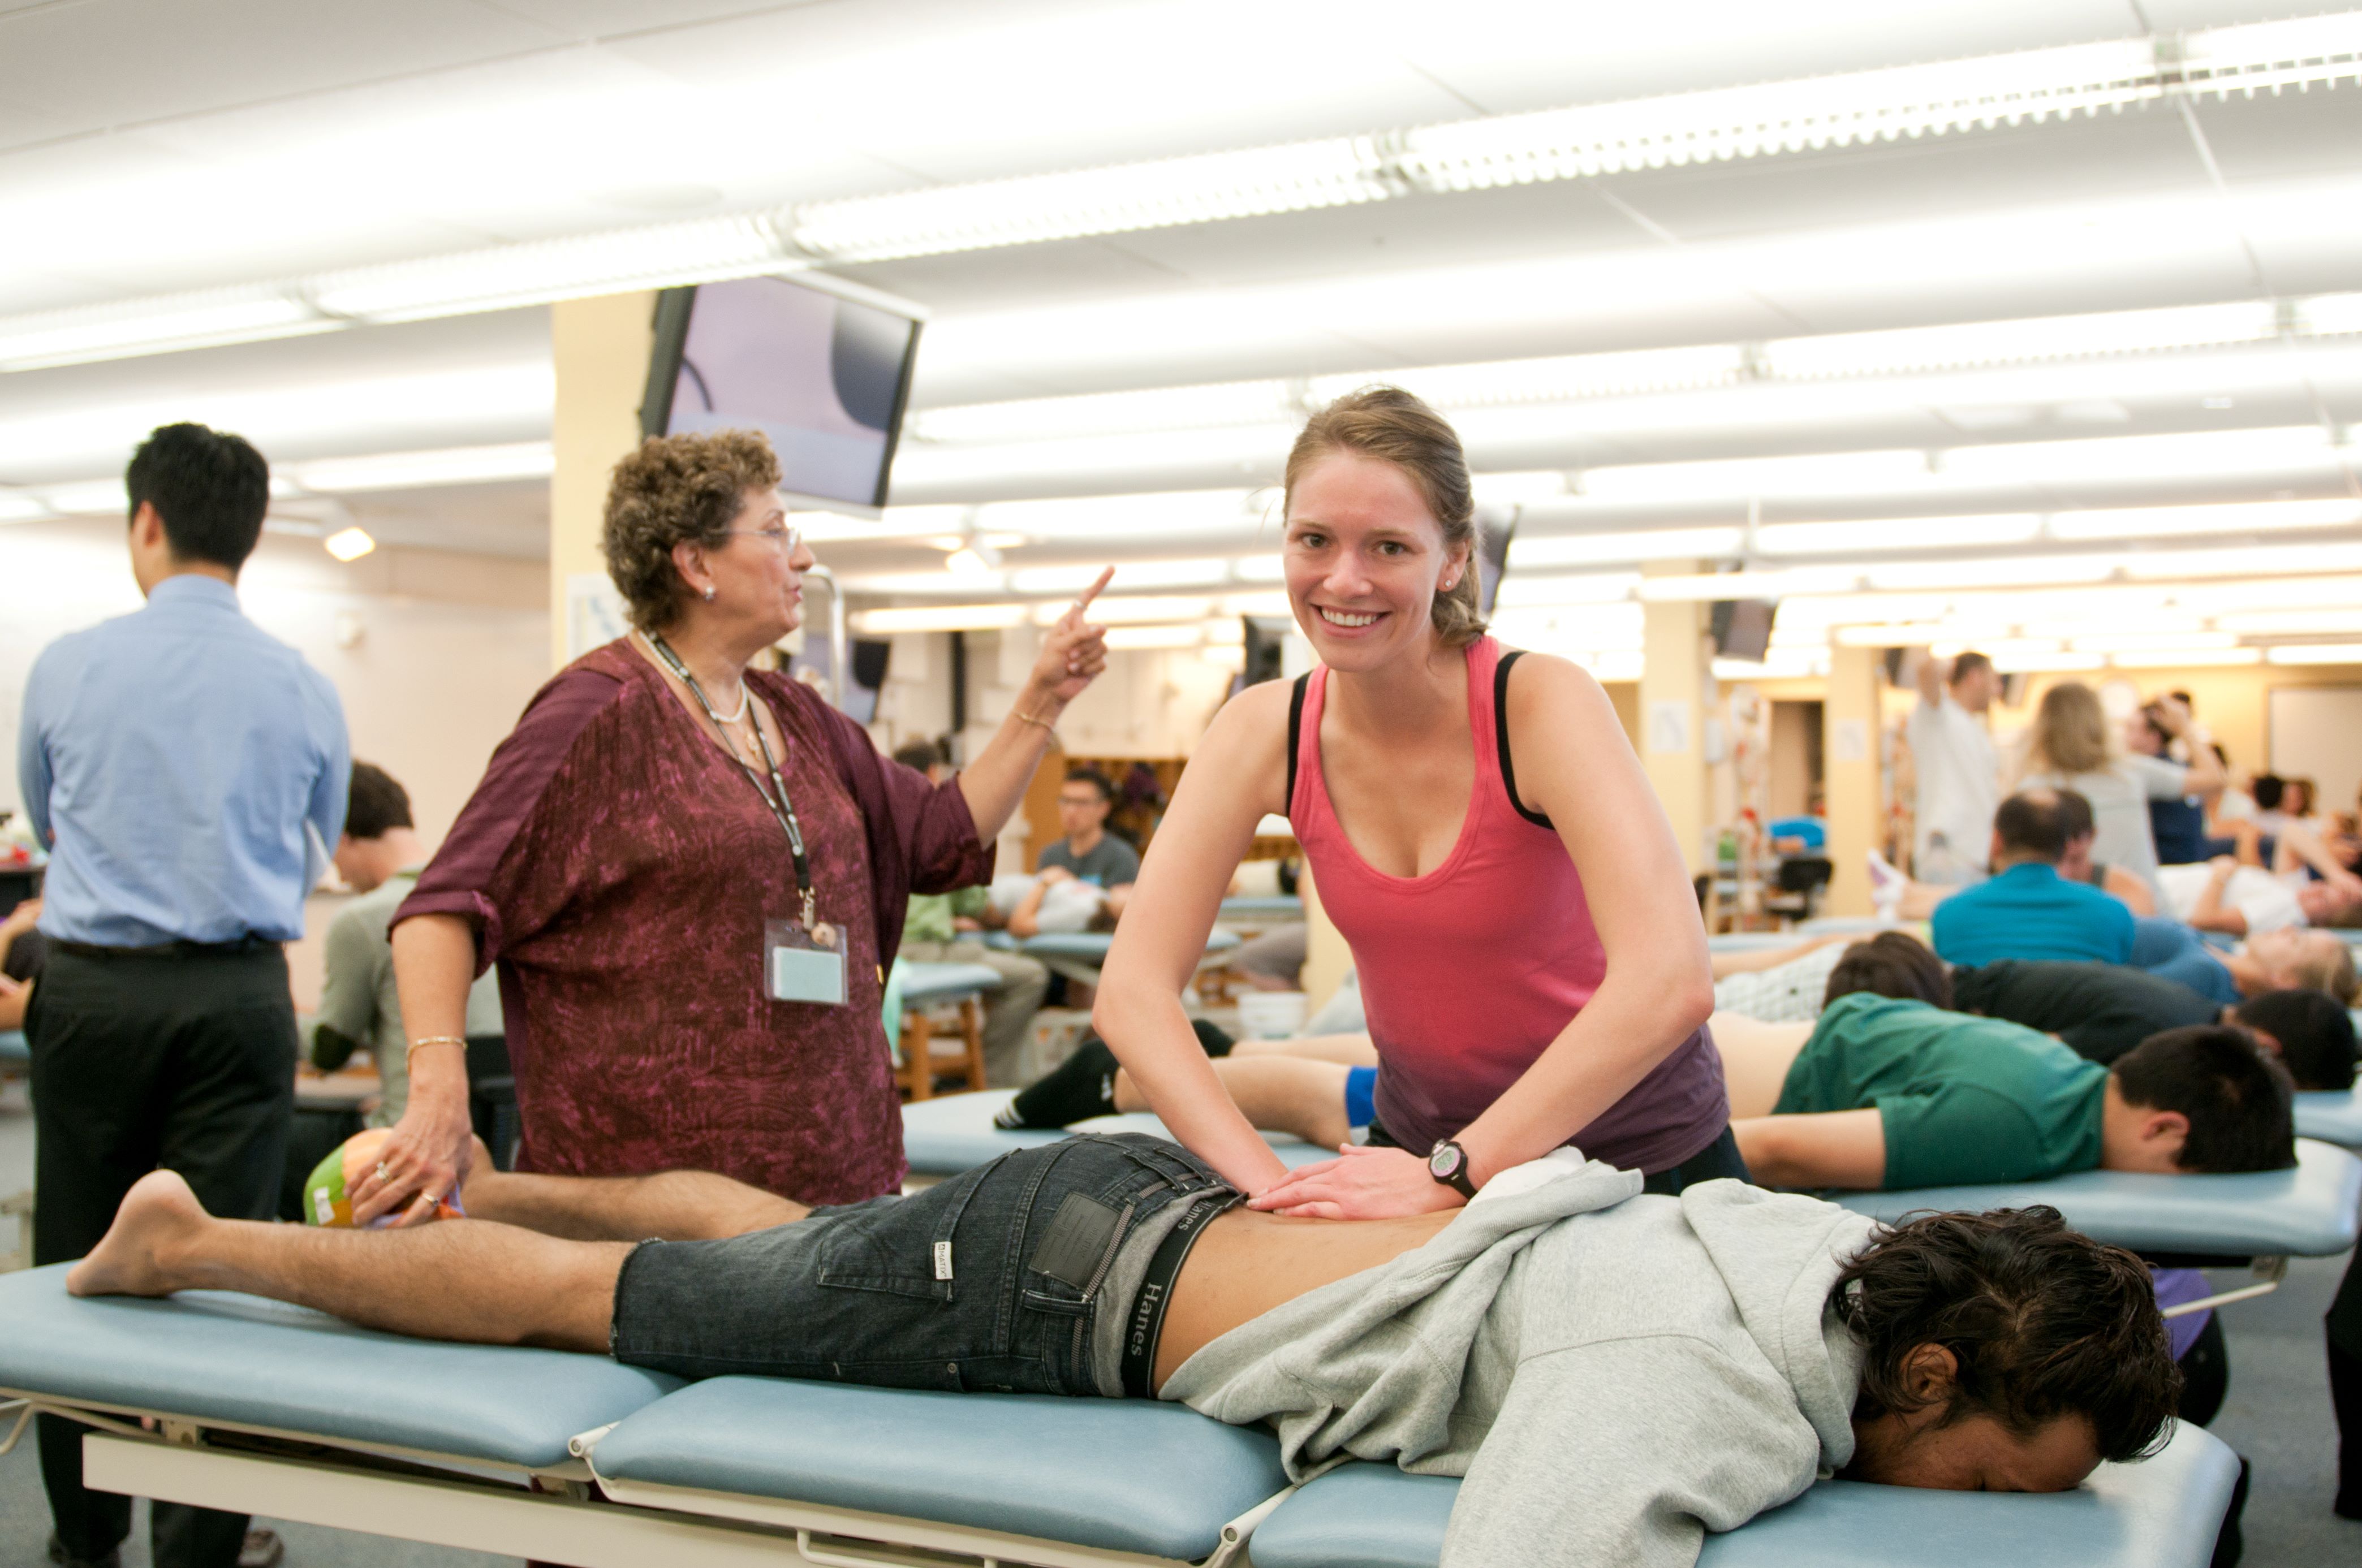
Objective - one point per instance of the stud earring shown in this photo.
(709, 595)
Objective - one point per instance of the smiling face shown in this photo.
(1974, 1454)
(2292, 956)
(1366, 558)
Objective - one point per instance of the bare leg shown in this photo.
(672, 1205)
(458, 1279)
(1920, 898)
(1277, 1094)
(1353, 1050)
(1755, 1057)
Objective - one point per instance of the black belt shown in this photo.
(1144, 1324)
(249, 943)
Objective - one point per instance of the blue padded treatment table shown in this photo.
(924, 984)
(2163, 1512)
(1275, 907)
(953, 1133)
(2308, 1211)
(14, 1054)
(299, 1371)
(2332, 1118)
(1117, 1474)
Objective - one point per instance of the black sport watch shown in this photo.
(1448, 1163)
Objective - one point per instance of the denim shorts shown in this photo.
(1004, 1279)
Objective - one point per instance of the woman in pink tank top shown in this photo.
(1477, 827)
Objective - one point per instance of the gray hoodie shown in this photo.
(1614, 1374)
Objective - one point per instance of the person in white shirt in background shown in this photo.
(1959, 770)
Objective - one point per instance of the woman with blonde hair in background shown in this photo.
(1478, 827)
(2072, 745)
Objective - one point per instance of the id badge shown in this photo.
(804, 966)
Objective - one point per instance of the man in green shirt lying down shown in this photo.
(1897, 1093)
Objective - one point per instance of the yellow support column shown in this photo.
(1849, 775)
(1675, 679)
(600, 348)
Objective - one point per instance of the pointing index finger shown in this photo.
(1083, 601)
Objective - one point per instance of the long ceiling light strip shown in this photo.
(1714, 125)
(1577, 376)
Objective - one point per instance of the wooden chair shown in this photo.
(925, 989)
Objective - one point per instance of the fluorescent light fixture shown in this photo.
(1708, 125)
(2186, 657)
(1778, 583)
(1272, 604)
(153, 326)
(417, 470)
(1646, 545)
(90, 498)
(1122, 639)
(2148, 642)
(941, 617)
(1895, 533)
(1204, 572)
(2291, 622)
(22, 506)
(2331, 313)
(920, 583)
(2248, 561)
(1518, 591)
(1126, 611)
(2000, 572)
(348, 544)
(1780, 663)
(967, 566)
(2257, 517)
(1259, 569)
(2316, 654)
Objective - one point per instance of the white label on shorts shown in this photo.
(942, 1260)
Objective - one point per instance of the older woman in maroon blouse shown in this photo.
(631, 842)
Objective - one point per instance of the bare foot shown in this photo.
(159, 1212)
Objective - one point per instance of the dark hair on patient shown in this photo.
(2042, 1321)
(2234, 1095)
(919, 754)
(1893, 963)
(2316, 1034)
(375, 804)
(210, 489)
(1096, 779)
(2041, 823)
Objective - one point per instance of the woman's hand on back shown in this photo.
(1361, 1183)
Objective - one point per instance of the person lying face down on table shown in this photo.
(1615, 1373)
(1887, 1092)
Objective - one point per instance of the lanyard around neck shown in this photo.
(782, 809)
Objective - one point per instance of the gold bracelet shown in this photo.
(1032, 719)
(458, 1040)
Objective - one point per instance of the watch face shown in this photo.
(1444, 1161)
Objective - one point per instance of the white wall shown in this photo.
(449, 647)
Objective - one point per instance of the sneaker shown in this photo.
(264, 1549)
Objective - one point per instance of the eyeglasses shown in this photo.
(786, 539)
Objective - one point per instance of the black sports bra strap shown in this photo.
(1501, 735)
(1295, 735)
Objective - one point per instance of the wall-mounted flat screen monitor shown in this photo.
(1742, 627)
(823, 376)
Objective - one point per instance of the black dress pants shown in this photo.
(173, 1060)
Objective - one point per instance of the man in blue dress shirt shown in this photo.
(188, 772)
(2027, 910)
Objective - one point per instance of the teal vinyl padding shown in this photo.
(953, 1133)
(2309, 1210)
(1118, 1475)
(924, 983)
(1092, 947)
(14, 1051)
(2161, 1513)
(1277, 907)
(2332, 1118)
(243, 1361)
